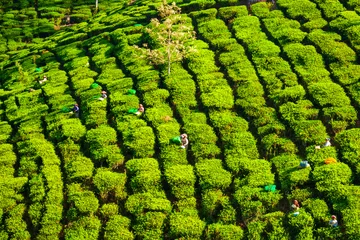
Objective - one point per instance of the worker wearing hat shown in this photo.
(333, 222)
(103, 95)
(184, 140)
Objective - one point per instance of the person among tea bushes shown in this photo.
(333, 222)
(304, 164)
(184, 141)
(75, 110)
(44, 80)
(103, 95)
(295, 206)
(140, 110)
(327, 143)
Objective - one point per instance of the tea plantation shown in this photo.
(259, 92)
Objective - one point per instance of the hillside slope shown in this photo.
(259, 94)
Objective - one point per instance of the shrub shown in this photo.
(118, 228)
(83, 228)
(109, 210)
(79, 169)
(330, 178)
(141, 202)
(15, 225)
(140, 141)
(212, 175)
(217, 208)
(181, 179)
(253, 173)
(301, 225)
(150, 225)
(110, 183)
(84, 201)
(220, 231)
(289, 173)
(229, 13)
(185, 226)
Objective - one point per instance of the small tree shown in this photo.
(170, 33)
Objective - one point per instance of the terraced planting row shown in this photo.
(257, 96)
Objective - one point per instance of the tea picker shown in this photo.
(304, 164)
(44, 80)
(184, 141)
(181, 140)
(140, 110)
(103, 95)
(326, 144)
(295, 207)
(333, 222)
(75, 110)
(137, 111)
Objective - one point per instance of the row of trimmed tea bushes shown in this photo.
(218, 35)
(321, 172)
(291, 177)
(351, 5)
(179, 175)
(24, 25)
(305, 12)
(113, 18)
(315, 157)
(275, 23)
(242, 75)
(271, 129)
(79, 172)
(76, 63)
(340, 58)
(340, 16)
(346, 24)
(335, 105)
(211, 28)
(212, 185)
(11, 207)
(139, 142)
(310, 18)
(214, 180)
(240, 156)
(68, 133)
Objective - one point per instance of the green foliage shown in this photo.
(83, 200)
(212, 175)
(220, 231)
(110, 183)
(83, 228)
(185, 226)
(182, 180)
(15, 225)
(118, 228)
(230, 13)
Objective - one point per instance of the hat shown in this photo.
(328, 139)
(184, 135)
(333, 216)
(103, 92)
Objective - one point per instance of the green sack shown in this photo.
(65, 110)
(94, 85)
(131, 91)
(270, 188)
(176, 140)
(138, 25)
(38, 69)
(133, 110)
